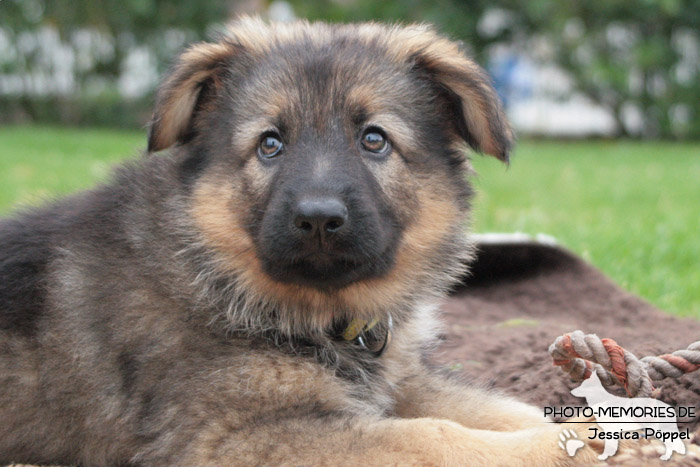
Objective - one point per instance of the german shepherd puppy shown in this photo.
(263, 290)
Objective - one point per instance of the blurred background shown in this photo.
(604, 95)
(600, 67)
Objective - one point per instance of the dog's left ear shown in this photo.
(480, 118)
(197, 68)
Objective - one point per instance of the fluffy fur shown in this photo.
(169, 318)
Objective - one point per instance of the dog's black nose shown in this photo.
(320, 216)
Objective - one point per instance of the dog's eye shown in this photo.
(270, 146)
(373, 140)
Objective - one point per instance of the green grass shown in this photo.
(631, 208)
(37, 163)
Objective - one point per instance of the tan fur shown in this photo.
(411, 442)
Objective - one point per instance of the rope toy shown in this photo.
(579, 354)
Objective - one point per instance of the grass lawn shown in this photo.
(631, 208)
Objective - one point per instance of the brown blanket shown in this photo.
(521, 296)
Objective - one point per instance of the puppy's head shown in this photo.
(326, 164)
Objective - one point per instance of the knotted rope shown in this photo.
(579, 354)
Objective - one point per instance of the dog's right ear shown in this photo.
(198, 67)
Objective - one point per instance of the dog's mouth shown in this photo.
(326, 271)
(322, 259)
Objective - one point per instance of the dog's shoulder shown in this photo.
(34, 238)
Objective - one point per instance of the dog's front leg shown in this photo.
(427, 394)
(333, 439)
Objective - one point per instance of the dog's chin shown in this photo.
(323, 271)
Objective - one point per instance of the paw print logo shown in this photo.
(568, 441)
